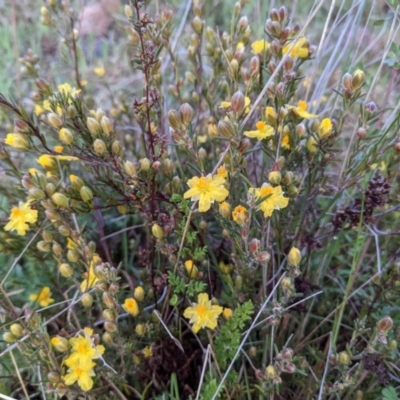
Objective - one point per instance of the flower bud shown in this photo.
(139, 294)
(110, 326)
(73, 256)
(225, 209)
(54, 377)
(76, 182)
(108, 300)
(139, 329)
(145, 164)
(93, 126)
(106, 125)
(54, 120)
(243, 23)
(36, 194)
(186, 112)
(347, 82)
(174, 119)
(275, 177)
(197, 25)
(286, 282)
(294, 257)
(397, 147)
(86, 194)
(238, 282)
(87, 300)
(66, 270)
(293, 191)
(117, 148)
(357, 79)
(254, 245)
(60, 200)
(129, 168)
(157, 231)
(107, 338)
(43, 87)
(263, 257)
(343, 358)
(371, 106)
(99, 146)
(226, 129)
(238, 102)
(17, 330)
(244, 145)
(385, 324)
(227, 313)
(271, 372)
(66, 136)
(128, 11)
(43, 246)
(60, 343)
(8, 337)
(64, 230)
(109, 314)
(191, 269)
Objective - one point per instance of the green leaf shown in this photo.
(389, 394)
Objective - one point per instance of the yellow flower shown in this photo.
(260, 46)
(225, 268)
(263, 131)
(191, 269)
(131, 306)
(17, 141)
(66, 89)
(240, 215)
(325, 128)
(147, 352)
(270, 115)
(299, 50)
(206, 189)
(39, 109)
(99, 71)
(240, 47)
(273, 198)
(301, 110)
(91, 278)
(80, 375)
(203, 314)
(58, 149)
(83, 351)
(20, 217)
(43, 297)
(312, 144)
(227, 313)
(285, 143)
(294, 256)
(49, 162)
(222, 171)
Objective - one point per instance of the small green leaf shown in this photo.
(389, 394)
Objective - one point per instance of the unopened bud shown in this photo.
(110, 326)
(99, 146)
(54, 120)
(254, 245)
(66, 270)
(275, 177)
(139, 294)
(36, 194)
(87, 300)
(347, 82)
(271, 372)
(17, 330)
(145, 164)
(243, 23)
(191, 269)
(139, 329)
(358, 79)
(197, 25)
(238, 102)
(238, 281)
(286, 282)
(129, 168)
(371, 106)
(93, 126)
(117, 148)
(64, 230)
(43, 87)
(226, 129)
(263, 257)
(66, 136)
(385, 324)
(109, 314)
(72, 256)
(174, 119)
(86, 194)
(8, 337)
(186, 112)
(106, 125)
(343, 358)
(43, 246)
(294, 257)
(60, 200)
(157, 231)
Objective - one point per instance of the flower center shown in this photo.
(266, 190)
(81, 348)
(201, 310)
(16, 212)
(203, 185)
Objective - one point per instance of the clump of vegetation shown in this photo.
(222, 225)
